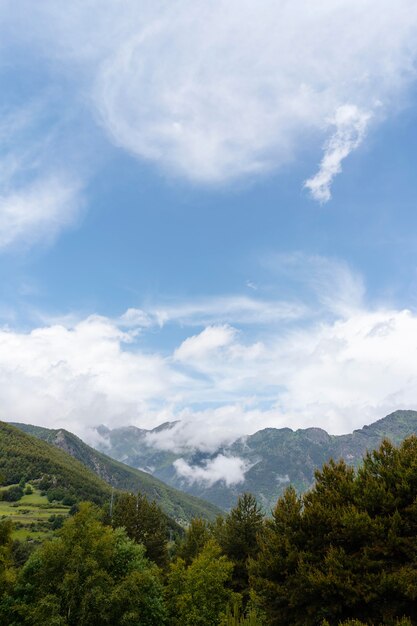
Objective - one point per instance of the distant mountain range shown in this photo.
(33, 450)
(274, 458)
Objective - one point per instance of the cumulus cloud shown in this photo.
(209, 340)
(81, 375)
(230, 470)
(234, 88)
(350, 126)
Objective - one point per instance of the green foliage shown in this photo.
(7, 574)
(145, 523)
(235, 617)
(196, 537)
(355, 622)
(91, 574)
(12, 494)
(56, 521)
(28, 490)
(348, 548)
(198, 594)
(56, 494)
(21, 551)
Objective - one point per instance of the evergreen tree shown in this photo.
(145, 523)
(348, 548)
(238, 536)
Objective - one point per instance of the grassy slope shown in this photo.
(179, 505)
(31, 514)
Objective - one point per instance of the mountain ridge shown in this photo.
(271, 456)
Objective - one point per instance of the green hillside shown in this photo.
(24, 456)
(181, 506)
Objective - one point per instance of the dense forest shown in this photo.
(343, 553)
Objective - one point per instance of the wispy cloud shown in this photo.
(38, 195)
(212, 93)
(329, 282)
(38, 210)
(226, 309)
(350, 127)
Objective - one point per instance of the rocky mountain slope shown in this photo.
(274, 458)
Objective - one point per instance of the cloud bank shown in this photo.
(339, 367)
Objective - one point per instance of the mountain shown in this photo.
(178, 505)
(274, 457)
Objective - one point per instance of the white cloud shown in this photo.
(212, 427)
(230, 470)
(344, 366)
(77, 376)
(331, 282)
(234, 88)
(209, 340)
(227, 310)
(38, 196)
(351, 125)
(335, 375)
(38, 210)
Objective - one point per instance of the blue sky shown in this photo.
(208, 214)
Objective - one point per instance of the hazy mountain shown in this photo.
(274, 458)
(181, 506)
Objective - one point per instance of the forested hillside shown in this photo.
(24, 456)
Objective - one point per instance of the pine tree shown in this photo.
(238, 537)
(348, 548)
